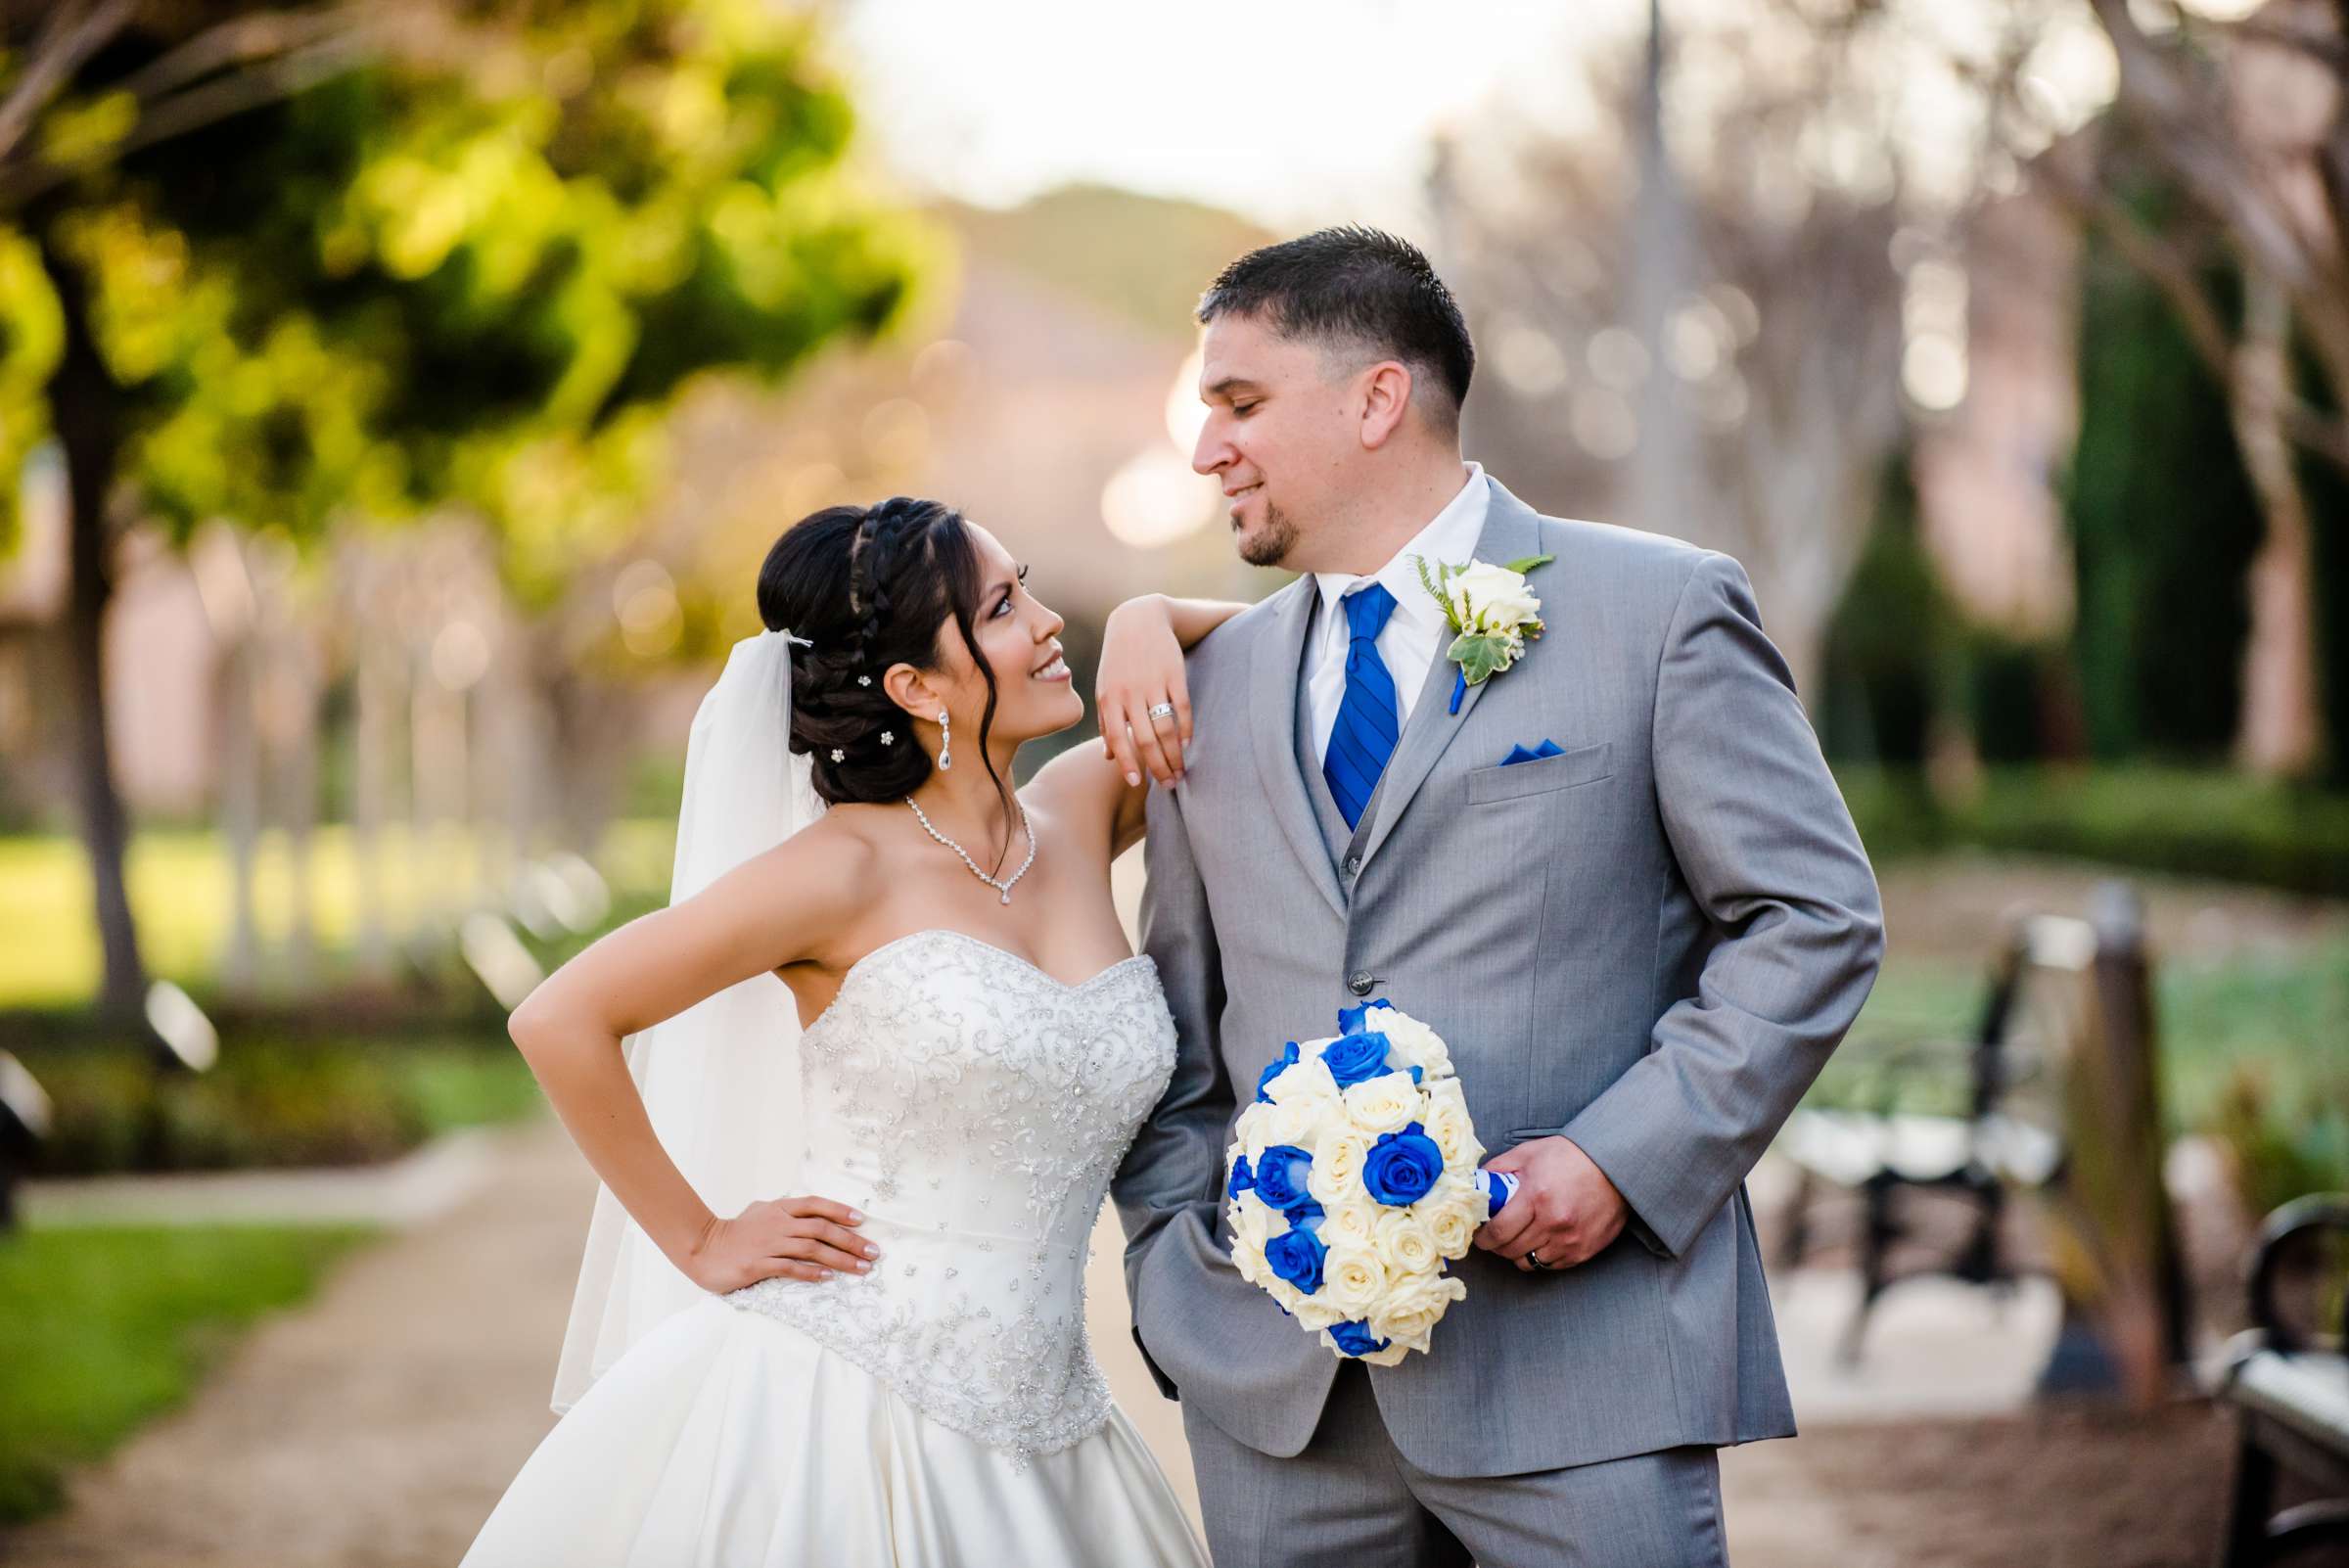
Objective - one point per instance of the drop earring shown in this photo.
(945, 741)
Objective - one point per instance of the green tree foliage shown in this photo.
(473, 270)
(288, 263)
(2164, 524)
(1889, 642)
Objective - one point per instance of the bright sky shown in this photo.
(1286, 110)
(1296, 112)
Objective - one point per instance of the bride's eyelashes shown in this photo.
(1010, 591)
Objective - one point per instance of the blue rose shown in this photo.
(1401, 1167)
(1281, 1176)
(1349, 1019)
(1241, 1181)
(1295, 1256)
(1356, 1339)
(1351, 1058)
(1305, 1215)
(1273, 1070)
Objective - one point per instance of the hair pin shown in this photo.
(888, 739)
(865, 680)
(839, 755)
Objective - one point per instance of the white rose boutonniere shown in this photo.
(1491, 611)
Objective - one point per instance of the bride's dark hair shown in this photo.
(871, 586)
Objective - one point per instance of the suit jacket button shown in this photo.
(1354, 864)
(1360, 982)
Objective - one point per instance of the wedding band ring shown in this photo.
(1161, 710)
(1534, 1256)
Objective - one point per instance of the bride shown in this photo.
(831, 1307)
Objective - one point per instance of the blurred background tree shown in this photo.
(289, 266)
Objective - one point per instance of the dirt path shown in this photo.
(376, 1426)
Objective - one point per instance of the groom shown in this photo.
(1641, 945)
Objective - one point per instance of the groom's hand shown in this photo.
(1565, 1207)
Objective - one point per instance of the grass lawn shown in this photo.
(102, 1328)
(180, 890)
(2253, 1048)
(2284, 1019)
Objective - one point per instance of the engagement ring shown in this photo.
(1163, 710)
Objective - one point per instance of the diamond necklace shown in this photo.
(1005, 886)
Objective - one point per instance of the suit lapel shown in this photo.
(1511, 532)
(1272, 717)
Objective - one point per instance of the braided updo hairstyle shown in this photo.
(871, 586)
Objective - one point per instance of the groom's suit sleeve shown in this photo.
(1769, 852)
(1174, 1174)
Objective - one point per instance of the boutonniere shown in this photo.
(1492, 614)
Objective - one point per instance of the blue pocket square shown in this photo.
(1518, 754)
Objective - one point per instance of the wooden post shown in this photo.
(2112, 1236)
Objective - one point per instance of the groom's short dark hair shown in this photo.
(1354, 285)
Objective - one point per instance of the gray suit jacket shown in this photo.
(1648, 943)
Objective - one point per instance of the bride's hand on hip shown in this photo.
(792, 1239)
(1142, 699)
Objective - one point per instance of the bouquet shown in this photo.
(1353, 1179)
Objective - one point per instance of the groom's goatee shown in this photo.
(1270, 545)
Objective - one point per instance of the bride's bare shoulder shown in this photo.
(838, 854)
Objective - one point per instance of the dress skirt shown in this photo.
(727, 1439)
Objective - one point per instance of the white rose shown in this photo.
(1314, 1312)
(1248, 1136)
(1336, 1177)
(1411, 1043)
(1291, 1125)
(1252, 1221)
(1351, 1219)
(1383, 1104)
(1392, 1355)
(1492, 598)
(1352, 1280)
(1446, 1122)
(1404, 1244)
(1305, 1086)
(1461, 1189)
(1248, 1257)
(1450, 1226)
(1413, 1308)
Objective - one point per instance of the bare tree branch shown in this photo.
(243, 40)
(74, 34)
(2194, 142)
(224, 70)
(2168, 268)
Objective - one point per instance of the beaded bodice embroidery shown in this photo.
(974, 1107)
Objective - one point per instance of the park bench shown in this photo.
(2288, 1385)
(23, 1123)
(1999, 1137)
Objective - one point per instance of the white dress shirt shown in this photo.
(1414, 632)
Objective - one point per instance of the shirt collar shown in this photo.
(1450, 535)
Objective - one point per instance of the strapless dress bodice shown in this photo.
(974, 1108)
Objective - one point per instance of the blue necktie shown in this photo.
(1368, 716)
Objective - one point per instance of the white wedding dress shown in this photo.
(945, 1409)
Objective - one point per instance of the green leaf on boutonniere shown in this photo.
(1526, 563)
(1434, 584)
(1480, 656)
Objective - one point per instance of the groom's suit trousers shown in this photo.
(1349, 1500)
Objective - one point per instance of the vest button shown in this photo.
(1360, 982)
(1354, 864)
